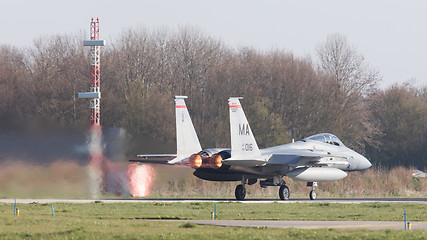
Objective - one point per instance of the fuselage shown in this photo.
(339, 154)
(335, 155)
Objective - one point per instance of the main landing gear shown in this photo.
(284, 192)
(240, 192)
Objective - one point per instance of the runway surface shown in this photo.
(171, 200)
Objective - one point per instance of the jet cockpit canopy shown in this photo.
(326, 138)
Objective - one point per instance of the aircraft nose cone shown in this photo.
(365, 163)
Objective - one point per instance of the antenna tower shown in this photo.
(94, 93)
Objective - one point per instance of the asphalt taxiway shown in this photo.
(371, 225)
(249, 200)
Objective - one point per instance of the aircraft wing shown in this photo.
(273, 159)
(154, 158)
(245, 162)
(165, 159)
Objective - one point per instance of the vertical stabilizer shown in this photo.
(187, 142)
(243, 142)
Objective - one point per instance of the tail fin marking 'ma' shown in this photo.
(187, 142)
(243, 143)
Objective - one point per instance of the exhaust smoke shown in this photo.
(40, 159)
(115, 177)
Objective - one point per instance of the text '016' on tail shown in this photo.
(318, 158)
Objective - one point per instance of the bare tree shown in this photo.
(15, 90)
(342, 61)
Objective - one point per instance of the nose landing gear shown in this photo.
(313, 194)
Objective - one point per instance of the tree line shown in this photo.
(285, 96)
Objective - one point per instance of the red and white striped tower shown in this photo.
(94, 93)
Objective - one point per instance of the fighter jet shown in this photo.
(318, 158)
(419, 174)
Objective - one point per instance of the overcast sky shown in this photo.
(392, 35)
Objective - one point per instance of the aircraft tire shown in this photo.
(313, 195)
(240, 192)
(284, 192)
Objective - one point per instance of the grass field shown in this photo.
(137, 220)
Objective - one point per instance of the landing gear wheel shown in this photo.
(313, 195)
(284, 192)
(240, 192)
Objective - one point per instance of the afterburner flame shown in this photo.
(195, 161)
(215, 161)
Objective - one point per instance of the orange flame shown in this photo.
(215, 161)
(195, 161)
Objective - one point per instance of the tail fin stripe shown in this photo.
(235, 106)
